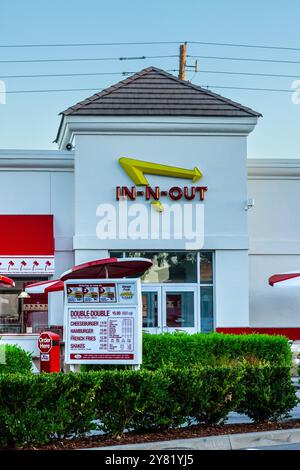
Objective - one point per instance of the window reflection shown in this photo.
(180, 309)
(207, 309)
(28, 315)
(169, 266)
(206, 267)
(150, 309)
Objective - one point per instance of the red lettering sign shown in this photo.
(45, 343)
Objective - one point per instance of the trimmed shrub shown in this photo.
(184, 350)
(133, 400)
(14, 359)
(269, 393)
(206, 394)
(37, 408)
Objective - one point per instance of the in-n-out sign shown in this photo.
(175, 193)
(136, 170)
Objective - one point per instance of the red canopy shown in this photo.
(291, 279)
(6, 282)
(103, 268)
(108, 268)
(53, 285)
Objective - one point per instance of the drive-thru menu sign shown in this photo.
(103, 321)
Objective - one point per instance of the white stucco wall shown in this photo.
(42, 182)
(221, 157)
(231, 288)
(274, 231)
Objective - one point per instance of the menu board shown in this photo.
(103, 322)
(96, 334)
(91, 293)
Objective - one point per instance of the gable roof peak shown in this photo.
(155, 92)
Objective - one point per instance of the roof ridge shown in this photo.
(205, 90)
(186, 84)
(110, 89)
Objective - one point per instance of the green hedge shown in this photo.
(182, 349)
(269, 394)
(14, 359)
(37, 408)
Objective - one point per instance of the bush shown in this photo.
(133, 400)
(37, 408)
(209, 393)
(269, 393)
(14, 359)
(184, 350)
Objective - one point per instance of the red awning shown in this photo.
(26, 244)
(6, 282)
(45, 287)
(26, 235)
(108, 268)
(291, 279)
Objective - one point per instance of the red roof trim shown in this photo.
(282, 277)
(26, 235)
(6, 282)
(108, 267)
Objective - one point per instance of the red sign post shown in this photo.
(49, 347)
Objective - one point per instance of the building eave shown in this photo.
(36, 160)
(155, 125)
(274, 168)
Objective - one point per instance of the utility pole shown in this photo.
(182, 61)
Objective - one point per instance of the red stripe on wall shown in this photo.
(291, 333)
(26, 235)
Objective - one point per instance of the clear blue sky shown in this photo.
(30, 120)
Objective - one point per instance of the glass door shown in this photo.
(151, 302)
(170, 308)
(179, 307)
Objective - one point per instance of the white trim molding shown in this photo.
(36, 160)
(274, 168)
(74, 125)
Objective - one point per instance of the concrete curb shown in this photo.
(225, 442)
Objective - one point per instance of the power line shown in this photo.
(90, 74)
(97, 89)
(53, 90)
(144, 43)
(254, 46)
(248, 73)
(249, 88)
(87, 74)
(85, 59)
(244, 59)
(91, 44)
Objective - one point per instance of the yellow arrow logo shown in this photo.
(136, 170)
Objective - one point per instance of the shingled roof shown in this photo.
(154, 92)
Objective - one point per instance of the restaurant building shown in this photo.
(154, 167)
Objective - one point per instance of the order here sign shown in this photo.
(103, 321)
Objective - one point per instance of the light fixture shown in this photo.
(23, 295)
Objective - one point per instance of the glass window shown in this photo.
(207, 309)
(10, 312)
(169, 266)
(116, 254)
(180, 309)
(22, 315)
(150, 309)
(206, 267)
